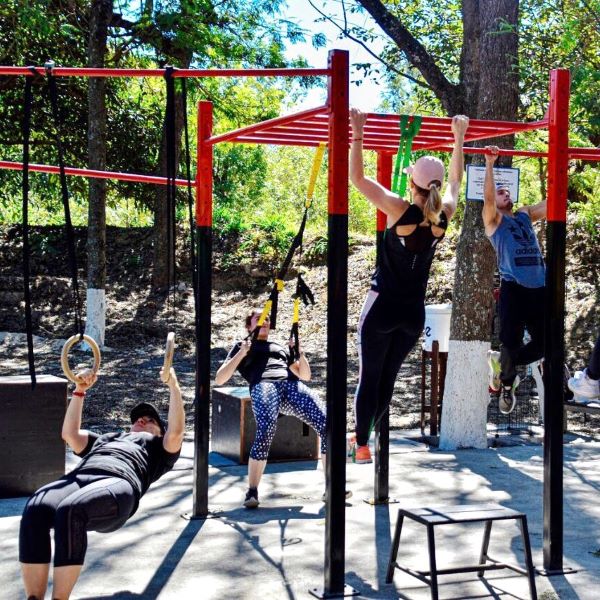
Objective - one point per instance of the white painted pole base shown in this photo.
(95, 322)
(466, 396)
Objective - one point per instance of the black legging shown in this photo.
(593, 368)
(72, 506)
(387, 332)
(519, 308)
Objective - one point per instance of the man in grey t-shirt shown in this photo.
(522, 280)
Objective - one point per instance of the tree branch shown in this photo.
(147, 33)
(347, 34)
(415, 52)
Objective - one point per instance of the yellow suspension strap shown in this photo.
(278, 284)
(409, 128)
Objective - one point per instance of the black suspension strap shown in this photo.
(26, 128)
(194, 264)
(304, 293)
(272, 303)
(65, 199)
(170, 151)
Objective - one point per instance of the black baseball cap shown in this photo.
(144, 409)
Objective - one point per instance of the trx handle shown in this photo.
(408, 132)
(263, 316)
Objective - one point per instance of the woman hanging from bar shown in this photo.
(393, 314)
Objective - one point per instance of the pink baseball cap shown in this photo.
(427, 170)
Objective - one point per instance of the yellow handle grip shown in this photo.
(265, 313)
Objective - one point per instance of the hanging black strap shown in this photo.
(26, 128)
(194, 264)
(170, 152)
(65, 199)
(304, 293)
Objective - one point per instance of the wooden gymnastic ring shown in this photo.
(169, 351)
(64, 355)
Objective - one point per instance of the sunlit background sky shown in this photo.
(366, 96)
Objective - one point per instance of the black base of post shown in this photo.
(321, 593)
(378, 502)
(553, 572)
(213, 514)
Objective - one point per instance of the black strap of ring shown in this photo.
(65, 200)
(26, 128)
(194, 264)
(170, 152)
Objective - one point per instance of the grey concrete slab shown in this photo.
(276, 551)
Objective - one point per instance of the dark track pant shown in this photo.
(388, 330)
(593, 368)
(72, 506)
(519, 308)
(269, 398)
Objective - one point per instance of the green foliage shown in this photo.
(232, 33)
(246, 238)
(587, 208)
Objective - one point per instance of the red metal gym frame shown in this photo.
(382, 134)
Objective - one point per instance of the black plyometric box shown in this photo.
(31, 447)
(234, 429)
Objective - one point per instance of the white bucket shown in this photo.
(437, 326)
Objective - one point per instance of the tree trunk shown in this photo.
(100, 15)
(466, 393)
(160, 273)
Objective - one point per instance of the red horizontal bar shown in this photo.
(264, 125)
(472, 122)
(505, 152)
(287, 136)
(155, 179)
(585, 153)
(275, 142)
(91, 72)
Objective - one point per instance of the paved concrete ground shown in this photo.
(276, 552)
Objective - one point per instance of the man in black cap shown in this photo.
(101, 493)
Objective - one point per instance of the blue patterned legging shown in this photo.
(269, 398)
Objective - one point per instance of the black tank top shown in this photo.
(405, 261)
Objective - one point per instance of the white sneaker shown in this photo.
(583, 386)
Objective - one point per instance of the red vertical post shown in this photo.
(204, 209)
(554, 327)
(337, 323)
(382, 429)
(384, 177)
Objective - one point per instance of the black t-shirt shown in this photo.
(138, 457)
(266, 361)
(405, 261)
